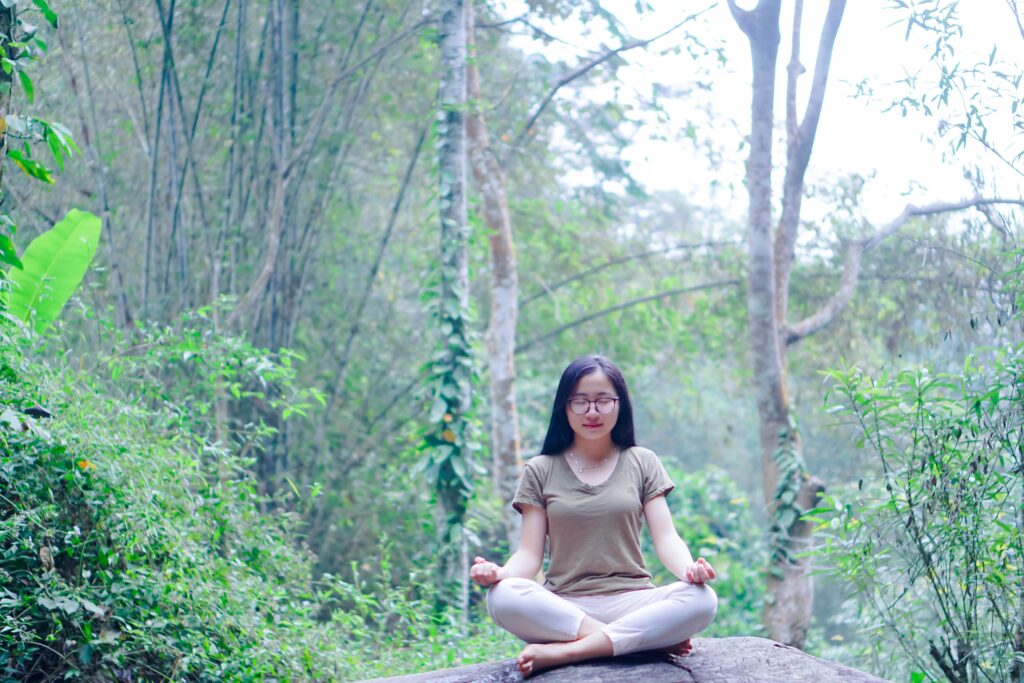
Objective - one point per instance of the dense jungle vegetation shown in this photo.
(287, 286)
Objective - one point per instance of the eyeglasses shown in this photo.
(581, 406)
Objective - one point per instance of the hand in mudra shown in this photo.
(699, 572)
(486, 573)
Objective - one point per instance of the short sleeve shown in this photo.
(530, 491)
(656, 479)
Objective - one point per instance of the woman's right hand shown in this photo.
(486, 573)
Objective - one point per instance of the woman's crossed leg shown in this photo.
(563, 630)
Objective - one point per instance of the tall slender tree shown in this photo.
(504, 290)
(452, 441)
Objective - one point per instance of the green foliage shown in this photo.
(392, 629)
(52, 266)
(973, 98)
(218, 387)
(714, 517)
(125, 553)
(786, 511)
(934, 544)
(18, 51)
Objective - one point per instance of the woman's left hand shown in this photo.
(700, 571)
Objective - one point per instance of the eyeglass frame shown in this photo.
(613, 399)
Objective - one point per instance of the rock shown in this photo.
(714, 660)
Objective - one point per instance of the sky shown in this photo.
(856, 136)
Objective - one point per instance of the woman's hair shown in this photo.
(560, 435)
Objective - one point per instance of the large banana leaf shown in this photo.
(53, 266)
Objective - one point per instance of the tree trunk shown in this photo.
(504, 285)
(8, 18)
(452, 370)
(789, 596)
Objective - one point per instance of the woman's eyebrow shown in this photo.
(580, 394)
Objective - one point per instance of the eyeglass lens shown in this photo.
(580, 406)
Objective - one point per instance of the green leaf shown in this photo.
(7, 253)
(55, 148)
(64, 135)
(48, 13)
(31, 167)
(53, 266)
(26, 85)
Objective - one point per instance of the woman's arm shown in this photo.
(672, 550)
(526, 560)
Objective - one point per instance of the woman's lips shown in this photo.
(593, 426)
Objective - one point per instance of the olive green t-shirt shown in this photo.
(594, 531)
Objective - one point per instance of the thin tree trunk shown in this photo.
(789, 589)
(452, 497)
(154, 161)
(281, 163)
(504, 286)
(122, 310)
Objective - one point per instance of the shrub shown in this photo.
(933, 544)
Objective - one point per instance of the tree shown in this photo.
(789, 489)
(451, 443)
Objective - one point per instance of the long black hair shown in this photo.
(560, 435)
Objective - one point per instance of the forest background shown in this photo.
(347, 249)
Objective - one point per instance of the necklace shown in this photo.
(580, 468)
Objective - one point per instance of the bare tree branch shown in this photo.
(316, 125)
(851, 268)
(499, 24)
(618, 307)
(520, 139)
(622, 259)
(1016, 16)
(799, 144)
(742, 16)
(371, 276)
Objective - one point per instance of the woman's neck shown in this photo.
(593, 451)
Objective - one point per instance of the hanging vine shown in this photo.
(786, 510)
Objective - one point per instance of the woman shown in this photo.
(589, 494)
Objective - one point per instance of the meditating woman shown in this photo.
(589, 494)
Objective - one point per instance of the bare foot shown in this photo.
(680, 649)
(537, 657)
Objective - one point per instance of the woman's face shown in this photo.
(598, 390)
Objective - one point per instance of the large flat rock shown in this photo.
(713, 660)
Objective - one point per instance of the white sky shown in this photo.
(854, 135)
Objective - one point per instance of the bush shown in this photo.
(934, 544)
(124, 553)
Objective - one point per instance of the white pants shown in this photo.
(646, 619)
